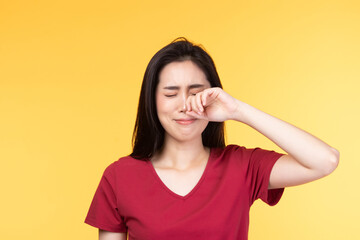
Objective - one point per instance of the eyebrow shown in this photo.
(192, 86)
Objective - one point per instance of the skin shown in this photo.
(183, 159)
(105, 235)
(177, 82)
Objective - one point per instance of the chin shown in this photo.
(186, 133)
(185, 137)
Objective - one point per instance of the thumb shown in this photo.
(196, 115)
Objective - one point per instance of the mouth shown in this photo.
(185, 121)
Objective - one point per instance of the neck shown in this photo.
(181, 155)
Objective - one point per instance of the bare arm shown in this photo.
(106, 235)
(308, 158)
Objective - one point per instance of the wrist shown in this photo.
(240, 110)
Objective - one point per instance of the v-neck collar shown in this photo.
(192, 190)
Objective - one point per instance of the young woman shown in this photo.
(181, 181)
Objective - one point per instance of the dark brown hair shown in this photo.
(148, 135)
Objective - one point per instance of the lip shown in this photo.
(185, 121)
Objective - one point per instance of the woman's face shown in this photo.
(177, 81)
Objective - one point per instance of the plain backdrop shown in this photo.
(70, 77)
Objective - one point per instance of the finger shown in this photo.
(194, 105)
(188, 104)
(198, 102)
(203, 98)
(196, 115)
(208, 96)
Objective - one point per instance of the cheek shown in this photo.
(163, 105)
(162, 110)
(203, 124)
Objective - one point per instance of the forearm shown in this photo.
(308, 150)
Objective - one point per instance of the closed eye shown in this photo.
(173, 95)
(194, 92)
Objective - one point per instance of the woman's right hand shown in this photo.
(213, 104)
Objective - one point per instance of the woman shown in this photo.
(181, 181)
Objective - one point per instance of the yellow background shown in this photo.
(70, 76)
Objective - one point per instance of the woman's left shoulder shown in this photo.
(239, 151)
(228, 150)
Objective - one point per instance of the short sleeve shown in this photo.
(261, 163)
(103, 212)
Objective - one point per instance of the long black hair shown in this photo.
(148, 135)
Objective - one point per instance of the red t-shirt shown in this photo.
(132, 198)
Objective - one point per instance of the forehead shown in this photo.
(182, 74)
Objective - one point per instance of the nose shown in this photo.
(182, 102)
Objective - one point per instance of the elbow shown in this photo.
(332, 161)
